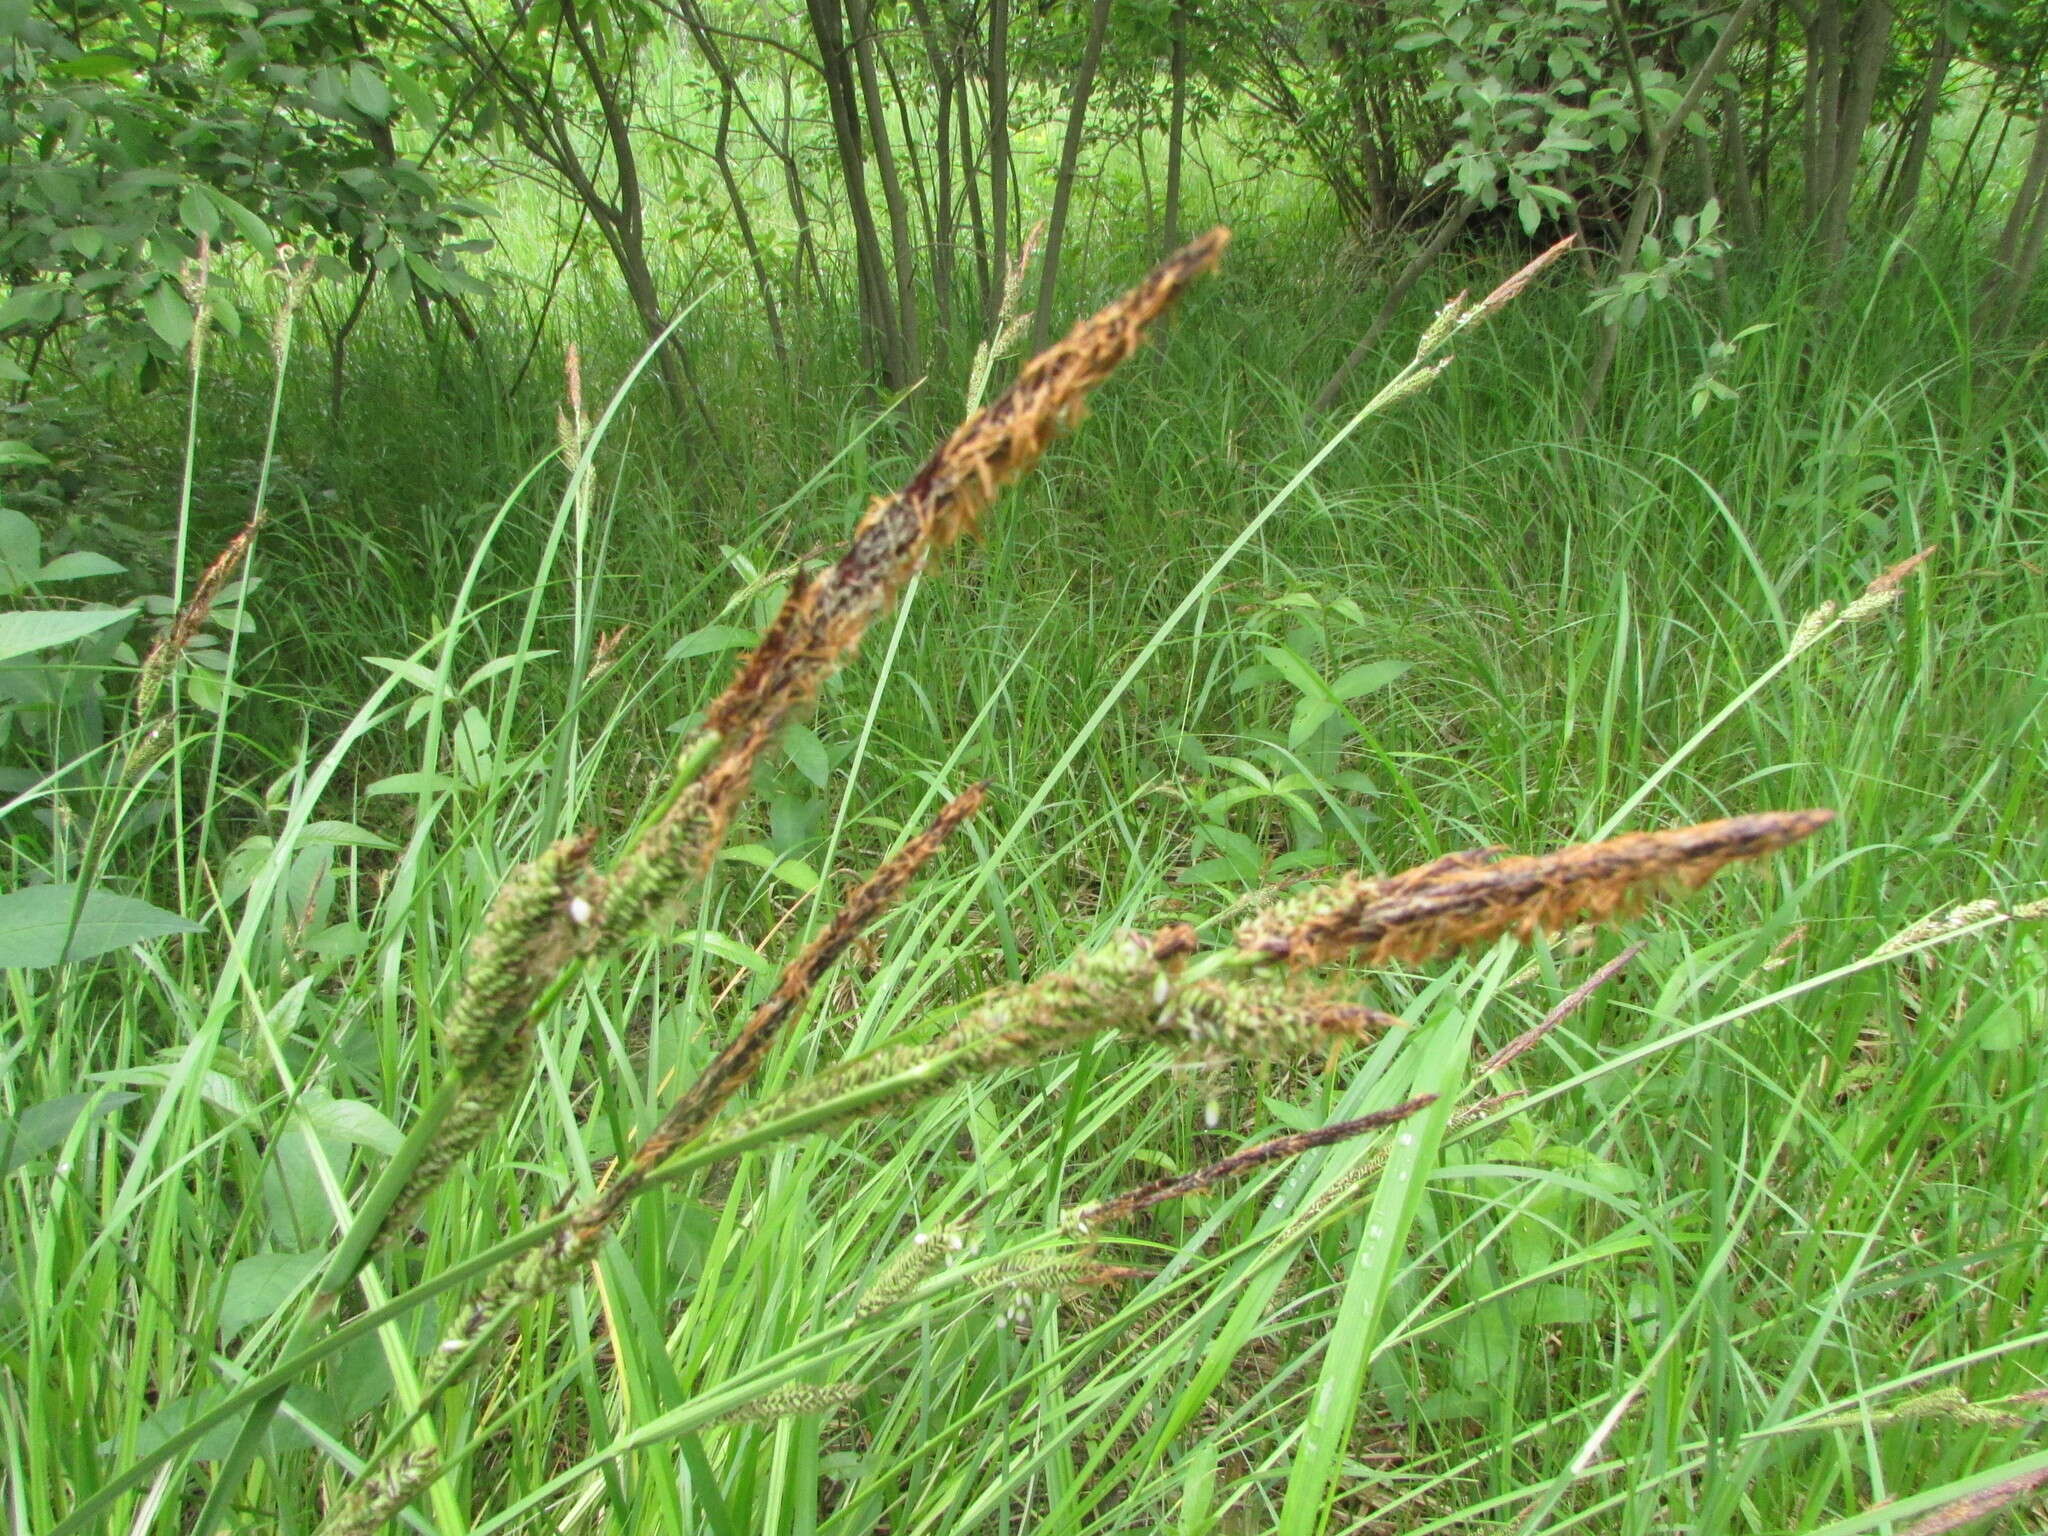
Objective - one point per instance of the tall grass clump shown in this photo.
(1134, 1164)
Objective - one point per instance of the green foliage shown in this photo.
(135, 133)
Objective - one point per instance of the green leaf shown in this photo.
(1296, 670)
(353, 1121)
(32, 305)
(2004, 1030)
(711, 638)
(35, 919)
(21, 549)
(1310, 715)
(43, 1127)
(368, 94)
(343, 834)
(247, 224)
(196, 211)
(1373, 676)
(260, 1285)
(807, 752)
(169, 315)
(22, 633)
(787, 868)
(13, 452)
(79, 565)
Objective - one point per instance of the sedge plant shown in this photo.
(1280, 988)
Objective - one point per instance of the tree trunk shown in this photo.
(1819, 99)
(1063, 183)
(1647, 195)
(882, 338)
(945, 246)
(998, 156)
(2019, 243)
(722, 156)
(1767, 143)
(900, 243)
(970, 184)
(1176, 124)
(1419, 264)
(1906, 189)
(1869, 44)
(1742, 207)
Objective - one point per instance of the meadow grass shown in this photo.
(1762, 1203)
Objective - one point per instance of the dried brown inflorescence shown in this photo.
(173, 642)
(822, 620)
(1474, 898)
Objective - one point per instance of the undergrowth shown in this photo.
(1753, 1246)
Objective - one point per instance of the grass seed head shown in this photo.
(1449, 905)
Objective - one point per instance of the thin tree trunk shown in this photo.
(1869, 44)
(1742, 207)
(1176, 123)
(882, 336)
(793, 186)
(628, 227)
(721, 155)
(2030, 190)
(1819, 97)
(1063, 183)
(945, 247)
(1418, 265)
(970, 185)
(998, 156)
(1906, 189)
(1646, 194)
(1767, 143)
(2026, 256)
(900, 242)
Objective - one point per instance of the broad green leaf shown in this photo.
(79, 565)
(35, 919)
(24, 632)
(44, 1127)
(354, 1121)
(710, 639)
(807, 752)
(787, 868)
(343, 834)
(32, 305)
(196, 211)
(420, 677)
(1296, 670)
(247, 224)
(1358, 681)
(169, 315)
(497, 665)
(1310, 714)
(259, 1286)
(367, 92)
(21, 549)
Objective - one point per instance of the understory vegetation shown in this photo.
(478, 1060)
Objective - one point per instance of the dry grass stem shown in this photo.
(1458, 902)
(1580, 995)
(734, 1065)
(1999, 1496)
(1094, 1217)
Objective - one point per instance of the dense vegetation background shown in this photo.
(416, 407)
